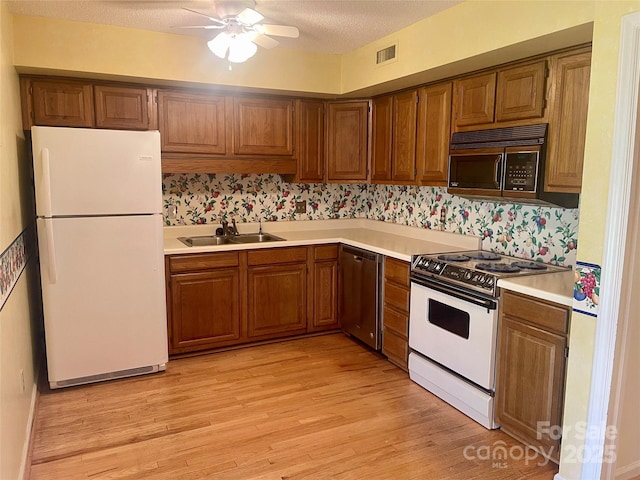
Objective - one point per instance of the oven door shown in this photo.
(456, 330)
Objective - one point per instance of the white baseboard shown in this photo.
(27, 440)
(628, 472)
(557, 476)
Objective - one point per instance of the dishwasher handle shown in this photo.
(360, 255)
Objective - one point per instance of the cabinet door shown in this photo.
(568, 122)
(205, 310)
(263, 126)
(434, 134)
(309, 134)
(122, 107)
(405, 113)
(62, 103)
(381, 138)
(347, 141)
(474, 100)
(520, 92)
(530, 382)
(277, 300)
(325, 302)
(192, 123)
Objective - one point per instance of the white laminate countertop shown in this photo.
(397, 241)
(555, 287)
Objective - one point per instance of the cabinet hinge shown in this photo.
(566, 352)
(415, 172)
(30, 90)
(369, 109)
(546, 72)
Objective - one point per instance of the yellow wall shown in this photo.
(470, 34)
(16, 353)
(106, 50)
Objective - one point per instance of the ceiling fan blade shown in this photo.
(213, 19)
(206, 27)
(263, 40)
(249, 16)
(278, 30)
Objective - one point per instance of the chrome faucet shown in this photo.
(234, 228)
(229, 230)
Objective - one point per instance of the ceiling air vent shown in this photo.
(386, 54)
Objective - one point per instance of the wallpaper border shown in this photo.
(13, 261)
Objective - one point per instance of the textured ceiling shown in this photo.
(326, 26)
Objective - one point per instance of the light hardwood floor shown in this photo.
(317, 408)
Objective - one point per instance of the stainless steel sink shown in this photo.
(204, 240)
(254, 238)
(207, 240)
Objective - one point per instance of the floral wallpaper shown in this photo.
(532, 232)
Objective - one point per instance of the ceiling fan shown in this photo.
(241, 30)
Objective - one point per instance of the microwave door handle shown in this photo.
(498, 170)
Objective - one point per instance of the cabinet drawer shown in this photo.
(397, 271)
(397, 322)
(395, 348)
(191, 262)
(547, 316)
(277, 255)
(396, 296)
(326, 252)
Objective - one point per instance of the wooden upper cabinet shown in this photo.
(347, 141)
(393, 137)
(403, 158)
(381, 138)
(520, 92)
(433, 134)
(263, 126)
(58, 103)
(568, 121)
(192, 123)
(474, 100)
(128, 108)
(309, 138)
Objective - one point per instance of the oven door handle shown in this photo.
(483, 302)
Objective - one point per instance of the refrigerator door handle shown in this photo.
(51, 251)
(46, 182)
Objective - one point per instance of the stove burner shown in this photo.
(529, 265)
(453, 258)
(497, 267)
(480, 255)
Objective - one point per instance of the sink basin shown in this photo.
(204, 241)
(254, 238)
(208, 240)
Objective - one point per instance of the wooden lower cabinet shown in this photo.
(532, 342)
(277, 300)
(204, 301)
(324, 289)
(395, 333)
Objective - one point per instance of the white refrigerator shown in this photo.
(99, 221)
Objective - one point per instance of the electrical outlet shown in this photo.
(171, 210)
(301, 207)
(336, 207)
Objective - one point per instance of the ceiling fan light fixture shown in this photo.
(241, 48)
(220, 44)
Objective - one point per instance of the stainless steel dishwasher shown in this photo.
(359, 307)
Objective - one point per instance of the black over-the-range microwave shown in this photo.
(503, 164)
